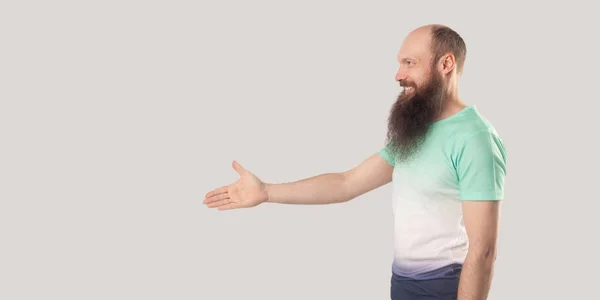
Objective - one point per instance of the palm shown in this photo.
(247, 191)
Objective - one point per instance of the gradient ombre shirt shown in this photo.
(462, 159)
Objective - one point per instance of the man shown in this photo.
(447, 164)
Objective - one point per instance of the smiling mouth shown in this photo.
(408, 89)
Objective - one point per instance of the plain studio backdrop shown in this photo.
(117, 117)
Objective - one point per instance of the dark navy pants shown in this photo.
(443, 288)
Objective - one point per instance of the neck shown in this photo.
(453, 102)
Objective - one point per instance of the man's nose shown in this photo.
(400, 75)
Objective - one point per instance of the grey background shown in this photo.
(117, 117)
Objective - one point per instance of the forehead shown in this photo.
(416, 45)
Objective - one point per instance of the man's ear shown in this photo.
(447, 63)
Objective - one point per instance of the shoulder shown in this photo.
(473, 134)
(473, 125)
(479, 159)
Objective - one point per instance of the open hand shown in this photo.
(247, 191)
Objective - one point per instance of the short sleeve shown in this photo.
(481, 167)
(386, 154)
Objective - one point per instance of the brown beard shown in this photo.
(412, 115)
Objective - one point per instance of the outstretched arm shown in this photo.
(326, 188)
(330, 188)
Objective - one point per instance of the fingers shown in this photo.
(228, 206)
(216, 198)
(219, 203)
(218, 191)
(216, 195)
(224, 204)
(238, 168)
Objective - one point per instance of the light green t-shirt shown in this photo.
(462, 159)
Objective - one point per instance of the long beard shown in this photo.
(412, 115)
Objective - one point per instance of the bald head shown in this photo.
(436, 46)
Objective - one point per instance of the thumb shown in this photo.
(238, 168)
